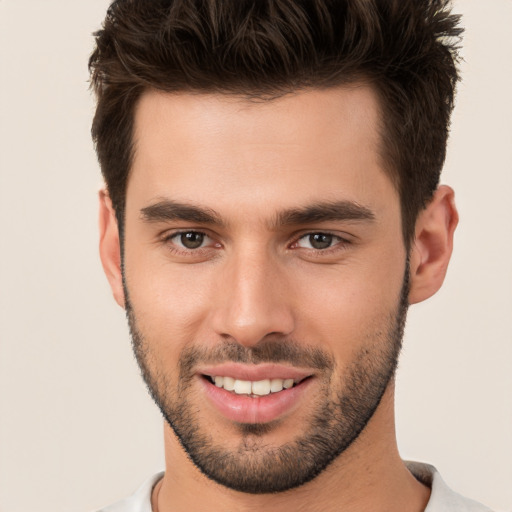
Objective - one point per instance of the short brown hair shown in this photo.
(406, 49)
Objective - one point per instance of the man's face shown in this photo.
(263, 249)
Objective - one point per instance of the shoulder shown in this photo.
(442, 498)
(139, 501)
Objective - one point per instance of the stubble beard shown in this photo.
(337, 419)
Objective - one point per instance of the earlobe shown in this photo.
(110, 247)
(432, 246)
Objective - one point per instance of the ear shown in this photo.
(433, 244)
(110, 247)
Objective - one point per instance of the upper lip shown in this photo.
(255, 372)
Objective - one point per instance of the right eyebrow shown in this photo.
(167, 210)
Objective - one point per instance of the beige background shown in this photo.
(76, 428)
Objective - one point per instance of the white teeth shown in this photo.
(261, 387)
(243, 387)
(229, 383)
(276, 385)
(247, 387)
(288, 383)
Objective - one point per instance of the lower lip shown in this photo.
(259, 409)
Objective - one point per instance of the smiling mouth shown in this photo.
(253, 388)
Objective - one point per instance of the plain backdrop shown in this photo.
(77, 429)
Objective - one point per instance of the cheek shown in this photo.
(351, 306)
(169, 302)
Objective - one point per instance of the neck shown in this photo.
(369, 475)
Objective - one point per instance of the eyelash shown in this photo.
(339, 245)
(168, 239)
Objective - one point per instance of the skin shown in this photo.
(256, 278)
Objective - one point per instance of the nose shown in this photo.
(252, 300)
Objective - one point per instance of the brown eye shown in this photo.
(190, 239)
(318, 241)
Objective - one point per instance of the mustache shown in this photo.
(266, 351)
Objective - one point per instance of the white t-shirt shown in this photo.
(442, 498)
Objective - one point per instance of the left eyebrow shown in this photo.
(324, 212)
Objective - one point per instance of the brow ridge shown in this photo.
(344, 210)
(169, 210)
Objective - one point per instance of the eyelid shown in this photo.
(342, 241)
(169, 236)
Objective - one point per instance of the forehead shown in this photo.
(213, 149)
(354, 106)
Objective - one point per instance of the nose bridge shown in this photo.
(252, 303)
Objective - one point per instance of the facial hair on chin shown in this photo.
(340, 413)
